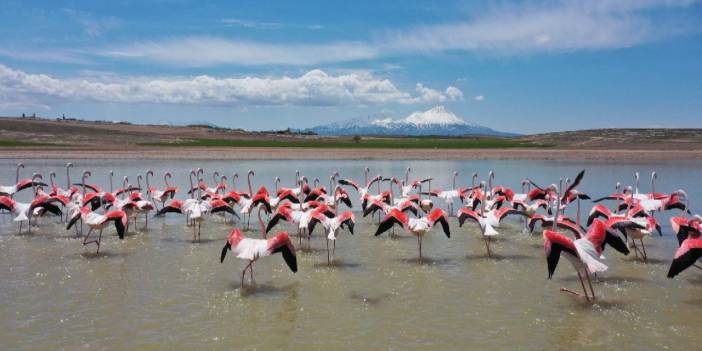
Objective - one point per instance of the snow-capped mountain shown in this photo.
(437, 121)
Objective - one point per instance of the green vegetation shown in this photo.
(372, 143)
(20, 143)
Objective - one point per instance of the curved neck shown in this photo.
(234, 177)
(68, 177)
(165, 180)
(17, 174)
(52, 175)
(192, 187)
(148, 185)
(111, 182)
(392, 201)
(261, 224)
(248, 180)
(558, 208)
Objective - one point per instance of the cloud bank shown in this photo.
(314, 88)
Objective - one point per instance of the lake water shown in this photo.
(157, 290)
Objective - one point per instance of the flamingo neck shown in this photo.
(192, 192)
(248, 179)
(260, 223)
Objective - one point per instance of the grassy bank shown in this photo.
(20, 143)
(366, 143)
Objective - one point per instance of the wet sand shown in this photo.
(263, 153)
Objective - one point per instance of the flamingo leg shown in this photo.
(328, 254)
(636, 249)
(198, 231)
(243, 273)
(253, 282)
(19, 231)
(643, 247)
(419, 241)
(583, 285)
(587, 275)
(334, 249)
(85, 240)
(487, 245)
(98, 242)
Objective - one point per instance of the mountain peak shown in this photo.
(435, 121)
(435, 115)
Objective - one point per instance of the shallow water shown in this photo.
(157, 290)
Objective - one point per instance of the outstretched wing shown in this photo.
(394, 217)
(466, 213)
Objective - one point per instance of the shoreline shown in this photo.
(273, 153)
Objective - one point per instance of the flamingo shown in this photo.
(686, 227)
(332, 225)
(299, 215)
(97, 221)
(11, 190)
(70, 191)
(686, 255)
(253, 249)
(160, 195)
(487, 220)
(417, 226)
(449, 195)
(584, 253)
(401, 204)
(24, 211)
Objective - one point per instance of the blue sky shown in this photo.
(527, 66)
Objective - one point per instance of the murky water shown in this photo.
(157, 290)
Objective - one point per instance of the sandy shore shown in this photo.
(202, 153)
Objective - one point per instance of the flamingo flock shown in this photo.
(406, 203)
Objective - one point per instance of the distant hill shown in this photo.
(437, 121)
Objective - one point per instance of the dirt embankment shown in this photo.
(74, 139)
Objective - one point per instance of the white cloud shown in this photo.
(432, 95)
(567, 26)
(479, 98)
(454, 93)
(249, 23)
(554, 26)
(208, 51)
(312, 88)
(93, 26)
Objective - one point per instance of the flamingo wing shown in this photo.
(466, 213)
(394, 217)
(687, 254)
